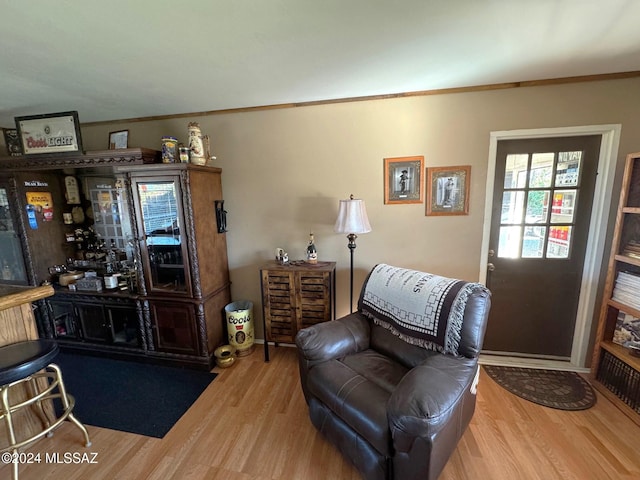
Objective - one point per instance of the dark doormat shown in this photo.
(129, 396)
(551, 388)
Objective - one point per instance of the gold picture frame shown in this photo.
(448, 190)
(403, 180)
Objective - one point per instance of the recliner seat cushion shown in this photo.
(357, 390)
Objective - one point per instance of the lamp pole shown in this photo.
(352, 246)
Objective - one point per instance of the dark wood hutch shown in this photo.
(159, 218)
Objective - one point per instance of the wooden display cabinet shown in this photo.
(165, 216)
(614, 371)
(295, 297)
(183, 253)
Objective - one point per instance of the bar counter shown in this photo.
(18, 323)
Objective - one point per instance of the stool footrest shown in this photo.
(53, 377)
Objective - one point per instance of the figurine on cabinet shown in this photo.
(197, 154)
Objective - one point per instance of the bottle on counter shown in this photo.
(90, 253)
(183, 153)
(7, 274)
(312, 253)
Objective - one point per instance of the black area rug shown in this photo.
(551, 388)
(129, 396)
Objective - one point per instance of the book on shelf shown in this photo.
(627, 289)
(627, 329)
(632, 249)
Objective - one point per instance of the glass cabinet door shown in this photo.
(12, 268)
(110, 215)
(163, 246)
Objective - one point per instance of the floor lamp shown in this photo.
(352, 220)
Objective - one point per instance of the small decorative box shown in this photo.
(91, 284)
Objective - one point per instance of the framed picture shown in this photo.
(448, 190)
(49, 133)
(12, 141)
(403, 180)
(119, 139)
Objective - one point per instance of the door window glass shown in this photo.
(563, 204)
(541, 170)
(509, 243)
(512, 205)
(568, 169)
(559, 239)
(533, 242)
(516, 171)
(542, 227)
(537, 210)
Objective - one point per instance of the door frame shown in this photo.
(595, 243)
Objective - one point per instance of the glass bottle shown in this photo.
(312, 253)
(7, 274)
(90, 253)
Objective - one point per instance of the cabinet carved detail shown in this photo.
(137, 235)
(148, 327)
(191, 238)
(100, 158)
(202, 327)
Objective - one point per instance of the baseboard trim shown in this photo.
(525, 362)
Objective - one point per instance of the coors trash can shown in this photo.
(240, 326)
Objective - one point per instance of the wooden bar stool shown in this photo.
(26, 363)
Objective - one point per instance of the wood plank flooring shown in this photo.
(251, 423)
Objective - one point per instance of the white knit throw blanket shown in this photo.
(422, 309)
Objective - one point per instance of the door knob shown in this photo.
(492, 252)
(491, 267)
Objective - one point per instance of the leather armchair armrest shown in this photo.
(330, 340)
(426, 399)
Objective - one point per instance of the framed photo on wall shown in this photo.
(12, 141)
(448, 190)
(403, 180)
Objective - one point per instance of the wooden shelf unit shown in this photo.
(614, 371)
(295, 297)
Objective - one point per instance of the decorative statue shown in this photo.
(196, 147)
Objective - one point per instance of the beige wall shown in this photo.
(284, 171)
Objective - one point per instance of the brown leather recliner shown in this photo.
(396, 410)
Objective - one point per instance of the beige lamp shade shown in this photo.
(352, 217)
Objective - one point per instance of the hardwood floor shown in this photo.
(252, 423)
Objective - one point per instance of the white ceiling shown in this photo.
(120, 59)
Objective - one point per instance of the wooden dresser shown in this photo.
(295, 296)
